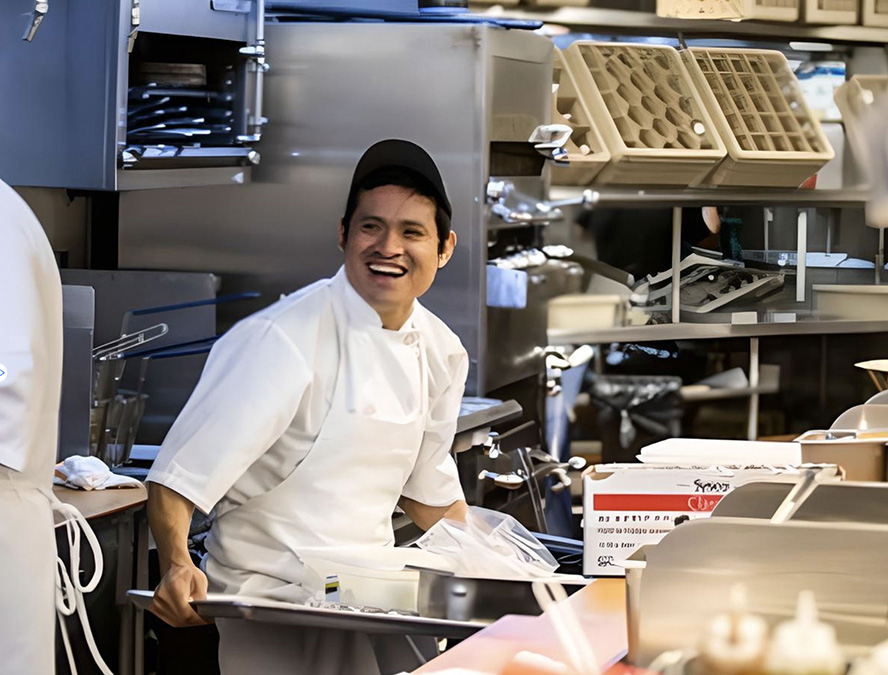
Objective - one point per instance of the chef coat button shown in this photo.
(410, 339)
(369, 410)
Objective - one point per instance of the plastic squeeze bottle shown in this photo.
(875, 664)
(804, 645)
(734, 642)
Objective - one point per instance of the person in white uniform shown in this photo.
(30, 390)
(313, 419)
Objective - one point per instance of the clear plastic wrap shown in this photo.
(489, 544)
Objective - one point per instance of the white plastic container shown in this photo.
(772, 137)
(855, 100)
(767, 10)
(582, 312)
(855, 302)
(587, 154)
(648, 111)
(366, 587)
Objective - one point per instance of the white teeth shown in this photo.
(391, 270)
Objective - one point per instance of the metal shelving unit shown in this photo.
(668, 198)
(714, 331)
(591, 19)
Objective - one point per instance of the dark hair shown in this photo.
(400, 177)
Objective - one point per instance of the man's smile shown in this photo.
(387, 269)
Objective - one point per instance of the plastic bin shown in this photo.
(587, 153)
(875, 13)
(772, 137)
(860, 453)
(635, 411)
(830, 11)
(648, 111)
(857, 302)
(768, 10)
(581, 312)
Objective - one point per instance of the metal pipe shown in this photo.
(676, 264)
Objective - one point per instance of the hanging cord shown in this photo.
(69, 587)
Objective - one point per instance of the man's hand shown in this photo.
(169, 515)
(180, 585)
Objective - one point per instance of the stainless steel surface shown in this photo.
(450, 88)
(835, 544)
(694, 331)
(456, 598)
(78, 315)
(496, 414)
(64, 104)
(602, 20)
(230, 607)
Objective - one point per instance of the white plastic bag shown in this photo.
(489, 544)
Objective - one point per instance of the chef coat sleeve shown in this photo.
(434, 480)
(20, 342)
(245, 400)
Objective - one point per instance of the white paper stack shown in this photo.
(709, 452)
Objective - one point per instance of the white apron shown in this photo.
(37, 586)
(27, 591)
(342, 494)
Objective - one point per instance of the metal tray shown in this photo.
(269, 611)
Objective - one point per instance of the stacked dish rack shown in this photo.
(653, 122)
(830, 11)
(768, 10)
(754, 98)
(875, 13)
(587, 154)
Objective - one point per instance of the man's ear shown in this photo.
(342, 235)
(447, 251)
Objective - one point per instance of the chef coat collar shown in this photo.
(359, 312)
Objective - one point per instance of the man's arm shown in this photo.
(169, 515)
(425, 516)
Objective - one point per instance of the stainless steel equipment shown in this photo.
(472, 95)
(835, 544)
(78, 314)
(73, 105)
(171, 382)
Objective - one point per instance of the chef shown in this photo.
(314, 418)
(30, 388)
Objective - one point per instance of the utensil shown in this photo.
(552, 596)
(145, 311)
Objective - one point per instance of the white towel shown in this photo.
(89, 473)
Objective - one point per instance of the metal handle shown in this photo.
(255, 52)
(516, 208)
(135, 22)
(41, 7)
(549, 140)
(246, 295)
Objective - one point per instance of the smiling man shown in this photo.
(312, 420)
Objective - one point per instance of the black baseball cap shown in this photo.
(400, 153)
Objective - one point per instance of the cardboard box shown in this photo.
(630, 505)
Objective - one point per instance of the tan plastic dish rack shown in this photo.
(830, 11)
(766, 10)
(587, 154)
(854, 99)
(875, 13)
(772, 137)
(648, 112)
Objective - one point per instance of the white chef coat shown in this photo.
(30, 388)
(264, 396)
